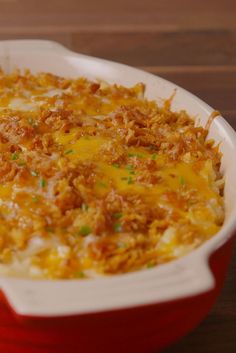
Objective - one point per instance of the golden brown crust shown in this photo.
(94, 178)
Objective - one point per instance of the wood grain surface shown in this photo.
(192, 43)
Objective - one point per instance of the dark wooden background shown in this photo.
(190, 42)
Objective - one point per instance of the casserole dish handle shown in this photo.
(50, 298)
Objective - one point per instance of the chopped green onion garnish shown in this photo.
(116, 165)
(85, 230)
(117, 227)
(35, 199)
(34, 173)
(135, 155)
(15, 156)
(129, 167)
(42, 183)
(102, 184)
(154, 156)
(21, 163)
(182, 181)
(80, 274)
(69, 151)
(118, 215)
(130, 180)
(150, 265)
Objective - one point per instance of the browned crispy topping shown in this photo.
(94, 178)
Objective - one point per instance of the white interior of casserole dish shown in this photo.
(184, 277)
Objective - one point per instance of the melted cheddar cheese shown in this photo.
(95, 179)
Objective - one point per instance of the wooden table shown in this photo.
(192, 43)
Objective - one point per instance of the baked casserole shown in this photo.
(97, 180)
